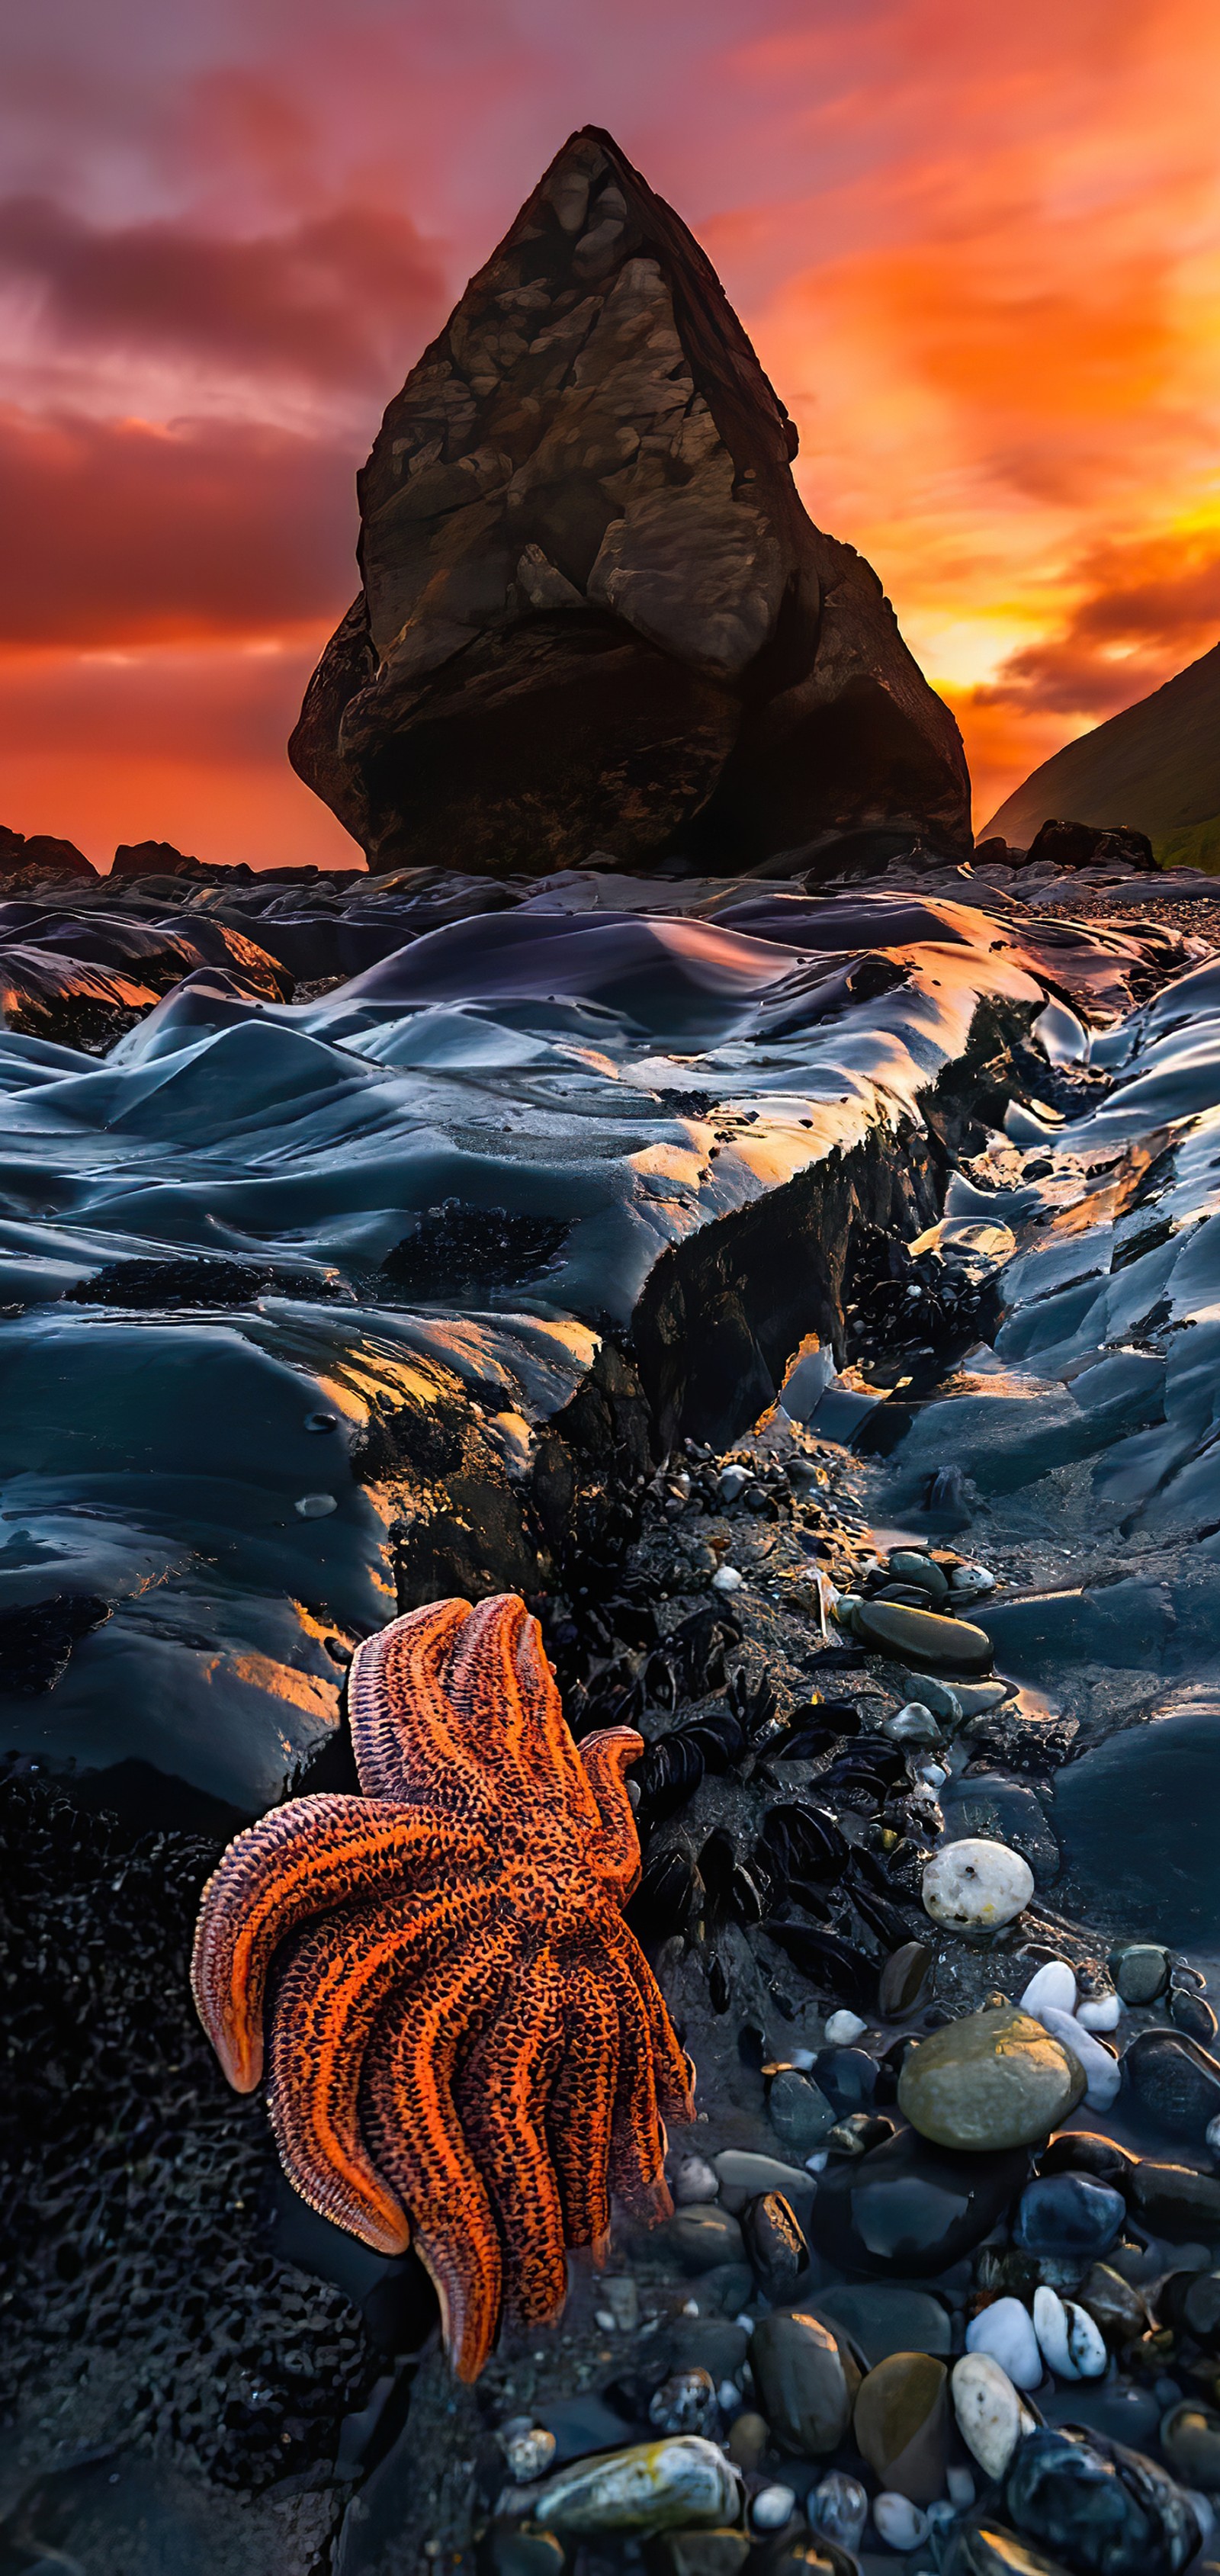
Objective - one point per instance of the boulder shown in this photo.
(1089, 845)
(594, 613)
(42, 850)
(152, 859)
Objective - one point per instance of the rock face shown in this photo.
(594, 613)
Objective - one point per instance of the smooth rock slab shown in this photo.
(995, 2079)
(910, 2208)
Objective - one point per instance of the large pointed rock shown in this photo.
(594, 613)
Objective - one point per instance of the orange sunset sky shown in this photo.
(978, 249)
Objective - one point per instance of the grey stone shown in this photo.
(922, 1638)
(1140, 1972)
(806, 2381)
(887, 2317)
(994, 2079)
(1175, 2081)
(1175, 2201)
(677, 2483)
(741, 2174)
(901, 2424)
(799, 2114)
(704, 2237)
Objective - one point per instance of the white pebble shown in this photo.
(976, 1885)
(1005, 2331)
(603, 2318)
(728, 2397)
(1099, 2013)
(932, 1774)
(746, 2323)
(695, 2181)
(1055, 1984)
(898, 2522)
(1103, 2074)
(1071, 2343)
(772, 2508)
(727, 1579)
(1211, 2135)
(990, 2416)
(843, 2027)
(314, 1507)
(971, 1578)
(804, 2059)
(818, 2161)
(961, 2489)
(731, 1482)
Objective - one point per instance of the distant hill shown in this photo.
(1156, 765)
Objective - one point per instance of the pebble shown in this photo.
(694, 2181)
(913, 1724)
(1190, 2437)
(1071, 2343)
(909, 2209)
(731, 1482)
(1105, 2510)
(976, 1885)
(1140, 1972)
(994, 2079)
(528, 2449)
(749, 2436)
(848, 2078)
(1069, 2213)
(1176, 2201)
(1174, 2080)
(1193, 2014)
(901, 2424)
(771, 2508)
(702, 2236)
(898, 2522)
(727, 1578)
(960, 2487)
(946, 1702)
(621, 2292)
(1005, 2330)
(1201, 2308)
(838, 2508)
(843, 2027)
(1100, 2012)
(806, 2381)
(972, 1578)
(923, 1638)
(775, 2245)
(671, 2485)
(990, 2416)
(1054, 1984)
(741, 2175)
(1114, 2304)
(686, 2402)
(315, 1507)
(904, 1979)
(799, 2114)
(910, 1565)
(1102, 2073)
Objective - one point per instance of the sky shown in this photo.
(977, 248)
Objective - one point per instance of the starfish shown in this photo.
(467, 2046)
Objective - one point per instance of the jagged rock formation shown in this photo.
(42, 850)
(594, 612)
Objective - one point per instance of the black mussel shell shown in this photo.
(718, 1987)
(812, 1900)
(881, 1916)
(806, 1843)
(669, 1896)
(721, 1738)
(717, 1862)
(667, 1774)
(696, 1649)
(829, 1963)
(660, 1680)
(805, 1744)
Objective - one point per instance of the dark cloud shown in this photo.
(121, 532)
(340, 298)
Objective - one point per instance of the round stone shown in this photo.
(772, 2507)
(749, 2436)
(899, 2523)
(976, 1885)
(838, 2508)
(1190, 2439)
(913, 1724)
(775, 2245)
(1071, 2344)
(676, 2484)
(702, 2235)
(909, 1565)
(694, 2182)
(901, 2424)
(1175, 2081)
(806, 2381)
(994, 2079)
(1069, 2213)
(1140, 1972)
(908, 2209)
(1005, 2330)
(921, 1638)
(990, 2416)
(800, 2115)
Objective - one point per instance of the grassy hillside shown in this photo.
(1156, 765)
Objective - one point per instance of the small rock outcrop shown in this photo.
(42, 850)
(594, 612)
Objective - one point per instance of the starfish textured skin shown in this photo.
(466, 2045)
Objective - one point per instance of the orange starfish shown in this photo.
(469, 2044)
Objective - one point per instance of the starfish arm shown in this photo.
(499, 2097)
(325, 2011)
(615, 1854)
(418, 2140)
(298, 1861)
(673, 2072)
(637, 2150)
(406, 1738)
(581, 2106)
(499, 1662)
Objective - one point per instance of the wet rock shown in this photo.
(1174, 2081)
(594, 614)
(694, 2182)
(1201, 2309)
(1005, 2330)
(844, 2027)
(990, 2416)
(904, 1980)
(976, 1886)
(913, 1725)
(898, 2522)
(910, 1565)
(512, 2549)
(727, 2286)
(717, 2345)
(1140, 1971)
(909, 2208)
(742, 2175)
(1174, 2201)
(669, 2485)
(994, 2079)
(887, 2318)
(685, 2403)
(922, 1638)
(702, 2553)
(1190, 2439)
(702, 2236)
(847, 2077)
(775, 2245)
(901, 2424)
(1101, 2069)
(1115, 2305)
(838, 2508)
(1083, 2151)
(806, 2381)
(1053, 1985)
(772, 2508)
(799, 2113)
(749, 2439)
(857, 2133)
(529, 2449)
(986, 1807)
(1100, 2508)
(1070, 2214)
(1193, 2014)
(1071, 2344)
